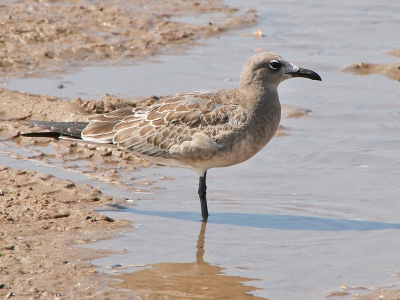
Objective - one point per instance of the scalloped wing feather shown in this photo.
(187, 125)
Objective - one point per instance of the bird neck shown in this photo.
(259, 96)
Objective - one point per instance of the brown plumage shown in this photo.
(199, 130)
(155, 130)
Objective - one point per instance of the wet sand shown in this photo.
(44, 220)
(59, 213)
(42, 37)
(197, 280)
(391, 71)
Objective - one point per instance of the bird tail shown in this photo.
(57, 129)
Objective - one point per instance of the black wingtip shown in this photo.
(72, 129)
(41, 134)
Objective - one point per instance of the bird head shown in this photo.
(270, 69)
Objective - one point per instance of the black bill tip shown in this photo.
(306, 74)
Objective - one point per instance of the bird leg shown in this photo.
(202, 195)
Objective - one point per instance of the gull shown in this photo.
(197, 130)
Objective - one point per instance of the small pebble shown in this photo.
(9, 295)
(107, 219)
(257, 34)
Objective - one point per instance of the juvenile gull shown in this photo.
(199, 130)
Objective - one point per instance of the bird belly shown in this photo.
(202, 153)
(241, 148)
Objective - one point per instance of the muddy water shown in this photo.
(314, 210)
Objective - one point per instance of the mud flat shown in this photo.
(42, 217)
(45, 221)
(41, 37)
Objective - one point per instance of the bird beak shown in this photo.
(306, 74)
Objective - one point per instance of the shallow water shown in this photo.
(313, 210)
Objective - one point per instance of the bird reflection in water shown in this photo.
(198, 280)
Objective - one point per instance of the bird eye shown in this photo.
(274, 64)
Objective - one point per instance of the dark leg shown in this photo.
(202, 195)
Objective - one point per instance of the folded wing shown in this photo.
(182, 124)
